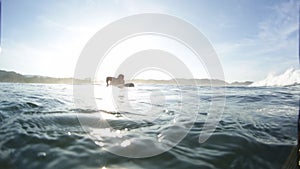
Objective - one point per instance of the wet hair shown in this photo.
(121, 76)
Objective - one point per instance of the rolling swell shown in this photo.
(41, 128)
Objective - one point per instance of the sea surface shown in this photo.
(42, 126)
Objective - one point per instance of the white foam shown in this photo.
(290, 77)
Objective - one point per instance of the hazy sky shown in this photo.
(252, 37)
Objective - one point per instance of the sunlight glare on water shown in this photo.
(41, 128)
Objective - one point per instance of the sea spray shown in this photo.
(290, 77)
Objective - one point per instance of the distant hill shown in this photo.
(200, 82)
(246, 83)
(13, 77)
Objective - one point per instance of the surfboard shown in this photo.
(124, 85)
(129, 85)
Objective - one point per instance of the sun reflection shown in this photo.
(106, 132)
(104, 98)
(125, 143)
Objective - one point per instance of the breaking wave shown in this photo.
(288, 78)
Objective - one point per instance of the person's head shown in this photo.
(121, 76)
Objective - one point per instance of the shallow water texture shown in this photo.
(42, 127)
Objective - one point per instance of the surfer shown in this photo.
(115, 81)
(119, 81)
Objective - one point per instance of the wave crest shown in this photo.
(290, 77)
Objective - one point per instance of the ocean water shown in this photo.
(42, 127)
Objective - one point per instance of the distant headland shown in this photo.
(13, 77)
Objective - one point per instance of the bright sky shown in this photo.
(252, 37)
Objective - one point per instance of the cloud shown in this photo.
(282, 23)
(273, 48)
(277, 31)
